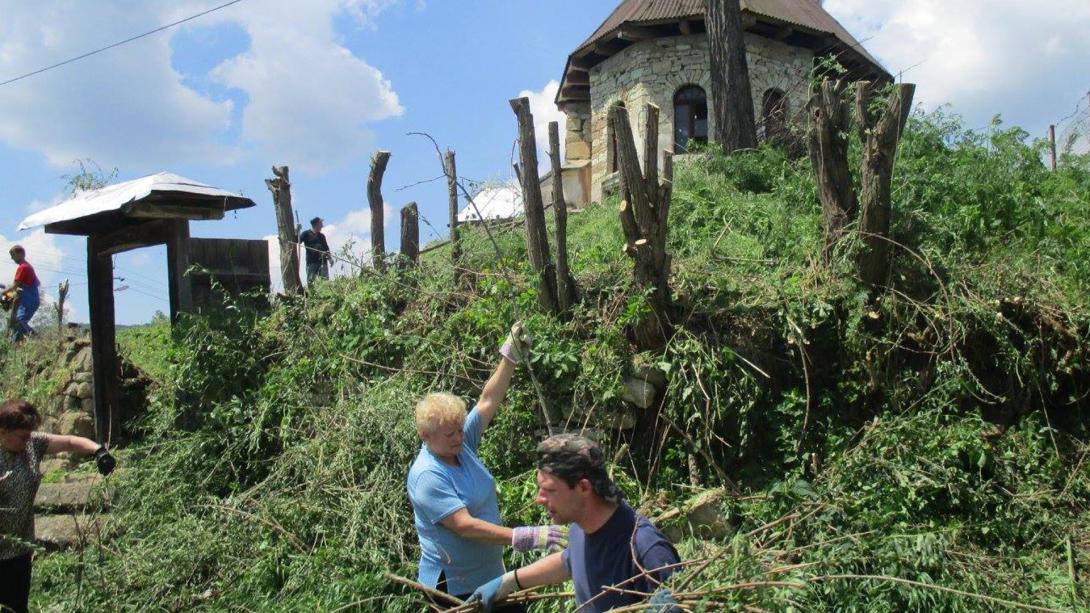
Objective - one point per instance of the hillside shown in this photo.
(924, 453)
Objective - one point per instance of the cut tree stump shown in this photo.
(374, 201)
(537, 238)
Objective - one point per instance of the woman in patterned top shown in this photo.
(21, 451)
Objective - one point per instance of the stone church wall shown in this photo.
(653, 70)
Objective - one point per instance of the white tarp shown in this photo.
(113, 197)
(495, 203)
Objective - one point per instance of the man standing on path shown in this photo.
(609, 544)
(318, 256)
(25, 291)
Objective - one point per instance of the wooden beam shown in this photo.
(135, 236)
(579, 64)
(782, 32)
(181, 288)
(634, 33)
(610, 47)
(100, 301)
(577, 78)
(146, 210)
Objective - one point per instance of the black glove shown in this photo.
(105, 461)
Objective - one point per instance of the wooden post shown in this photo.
(374, 200)
(280, 187)
(644, 211)
(452, 206)
(180, 287)
(1052, 145)
(881, 136)
(830, 124)
(62, 295)
(410, 234)
(537, 238)
(731, 98)
(565, 284)
(100, 294)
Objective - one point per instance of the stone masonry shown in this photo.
(653, 71)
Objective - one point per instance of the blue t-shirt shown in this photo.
(604, 558)
(437, 490)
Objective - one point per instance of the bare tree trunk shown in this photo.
(537, 238)
(732, 98)
(452, 204)
(645, 206)
(410, 235)
(280, 187)
(881, 134)
(565, 284)
(374, 200)
(62, 295)
(830, 125)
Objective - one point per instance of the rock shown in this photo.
(702, 516)
(82, 377)
(621, 419)
(577, 150)
(84, 391)
(72, 389)
(67, 497)
(55, 532)
(87, 405)
(77, 424)
(639, 392)
(83, 360)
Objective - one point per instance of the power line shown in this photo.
(119, 43)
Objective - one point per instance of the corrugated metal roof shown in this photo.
(807, 14)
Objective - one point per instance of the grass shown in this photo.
(924, 453)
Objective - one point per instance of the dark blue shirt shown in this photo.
(604, 558)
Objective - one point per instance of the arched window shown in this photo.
(690, 117)
(774, 116)
(614, 162)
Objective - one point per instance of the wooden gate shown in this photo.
(237, 266)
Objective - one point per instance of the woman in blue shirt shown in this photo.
(454, 496)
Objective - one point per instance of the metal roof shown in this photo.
(159, 190)
(806, 15)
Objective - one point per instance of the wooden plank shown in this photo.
(147, 210)
(181, 293)
(100, 295)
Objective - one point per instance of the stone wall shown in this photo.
(653, 70)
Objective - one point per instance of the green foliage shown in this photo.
(936, 436)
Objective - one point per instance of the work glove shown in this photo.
(529, 538)
(495, 590)
(662, 601)
(104, 461)
(517, 345)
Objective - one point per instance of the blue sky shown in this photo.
(320, 84)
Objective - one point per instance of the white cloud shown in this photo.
(984, 57)
(309, 98)
(543, 106)
(43, 252)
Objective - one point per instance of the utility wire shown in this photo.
(119, 43)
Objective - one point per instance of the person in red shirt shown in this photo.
(28, 300)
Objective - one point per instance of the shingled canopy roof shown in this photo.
(804, 23)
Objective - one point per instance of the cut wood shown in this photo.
(374, 201)
(537, 238)
(732, 100)
(451, 171)
(280, 187)
(565, 283)
(830, 125)
(410, 235)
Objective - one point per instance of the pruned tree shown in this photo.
(537, 238)
(451, 171)
(881, 134)
(374, 201)
(280, 187)
(565, 284)
(732, 99)
(644, 211)
(880, 124)
(830, 126)
(410, 235)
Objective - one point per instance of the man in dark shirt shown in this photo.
(608, 545)
(318, 256)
